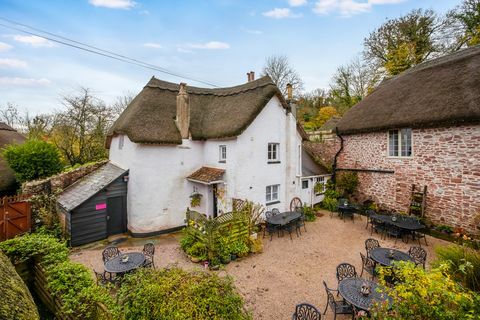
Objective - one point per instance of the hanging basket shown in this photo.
(195, 199)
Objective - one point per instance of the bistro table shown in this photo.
(386, 256)
(349, 289)
(116, 265)
(284, 218)
(409, 225)
(347, 209)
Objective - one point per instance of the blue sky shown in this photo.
(215, 40)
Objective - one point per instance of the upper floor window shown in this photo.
(400, 143)
(272, 194)
(273, 152)
(121, 139)
(222, 153)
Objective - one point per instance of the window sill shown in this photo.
(273, 162)
(400, 157)
(222, 161)
(273, 202)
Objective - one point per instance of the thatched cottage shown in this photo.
(421, 127)
(8, 135)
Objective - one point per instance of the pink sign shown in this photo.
(101, 206)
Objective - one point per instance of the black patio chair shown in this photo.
(377, 226)
(290, 227)
(149, 252)
(301, 222)
(109, 253)
(394, 231)
(418, 255)
(305, 311)
(337, 306)
(368, 213)
(101, 278)
(345, 270)
(371, 244)
(367, 265)
(419, 235)
(270, 228)
(275, 211)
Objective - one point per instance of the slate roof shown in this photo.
(88, 186)
(441, 92)
(310, 167)
(207, 175)
(214, 113)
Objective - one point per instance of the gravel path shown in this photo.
(286, 273)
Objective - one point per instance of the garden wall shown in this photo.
(446, 160)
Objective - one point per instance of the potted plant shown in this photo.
(195, 199)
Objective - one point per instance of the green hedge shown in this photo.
(175, 294)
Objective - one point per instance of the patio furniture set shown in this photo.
(278, 222)
(117, 264)
(358, 295)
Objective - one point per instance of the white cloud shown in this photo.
(23, 81)
(297, 3)
(113, 4)
(5, 46)
(34, 41)
(280, 13)
(348, 8)
(212, 45)
(12, 63)
(152, 45)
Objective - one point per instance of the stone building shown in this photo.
(423, 128)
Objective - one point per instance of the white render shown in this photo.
(159, 193)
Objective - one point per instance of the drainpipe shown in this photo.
(334, 166)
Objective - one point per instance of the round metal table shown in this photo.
(116, 265)
(284, 218)
(349, 289)
(383, 256)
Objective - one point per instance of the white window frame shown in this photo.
(308, 183)
(272, 194)
(323, 181)
(399, 144)
(121, 141)
(273, 152)
(222, 153)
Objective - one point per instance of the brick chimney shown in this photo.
(183, 111)
(289, 92)
(250, 76)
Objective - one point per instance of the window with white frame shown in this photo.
(304, 184)
(320, 185)
(120, 142)
(222, 153)
(273, 152)
(272, 194)
(400, 143)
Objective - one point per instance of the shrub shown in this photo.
(309, 213)
(239, 248)
(463, 264)
(420, 294)
(347, 183)
(197, 250)
(176, 294)
(35, 159)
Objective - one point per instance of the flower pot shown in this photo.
(233, 257)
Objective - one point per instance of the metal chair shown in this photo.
(419, 235)
(149, 252)
(101, 278)
(346, 270)
(292, 225)
(109, 253)
(418, 255)
(371, 244)
(367, 265)
(275, 211)
(394, 231)
(368, 213)
(305, 311)
(377, 226)
(270, 228)
(337, 306)
(301, 222)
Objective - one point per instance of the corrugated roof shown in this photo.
(207, 175)
(88, 186)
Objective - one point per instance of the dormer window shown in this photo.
(222, 153)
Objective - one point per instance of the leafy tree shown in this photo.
(282, 73)
(466, 23)
(35, 159)
(309, 104)
(404, 42)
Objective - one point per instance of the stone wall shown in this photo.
(60, 181)
(446, 160)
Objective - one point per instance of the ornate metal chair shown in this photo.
(270, 228)
(149, 252)
(109, 253)
(371, 244)
(305, 311)
(337, 306)
(101, 278)
(394, 231)
(367, 265)
(377, 226)
(418, 255)
(275, 211)
(346, 270)
(368, 213)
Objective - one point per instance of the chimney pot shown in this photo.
(250, 76)
(183, 111)
(289, 91)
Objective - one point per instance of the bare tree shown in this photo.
(282, 73)
(121, 103)
(10, 115)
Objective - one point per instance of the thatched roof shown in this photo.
(440, 92)
(330, 124)
(8, 135)
(214, 113)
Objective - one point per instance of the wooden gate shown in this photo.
(15, 216)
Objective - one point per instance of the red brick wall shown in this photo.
(446, 160)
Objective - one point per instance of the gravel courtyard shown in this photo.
(286, 273)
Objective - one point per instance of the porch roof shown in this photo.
(207, 175)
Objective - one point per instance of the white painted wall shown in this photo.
(158, 192)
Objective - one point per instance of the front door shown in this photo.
(215, 209)
(116, 216)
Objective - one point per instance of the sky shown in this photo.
(218, 41)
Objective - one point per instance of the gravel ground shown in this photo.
(286, 273)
